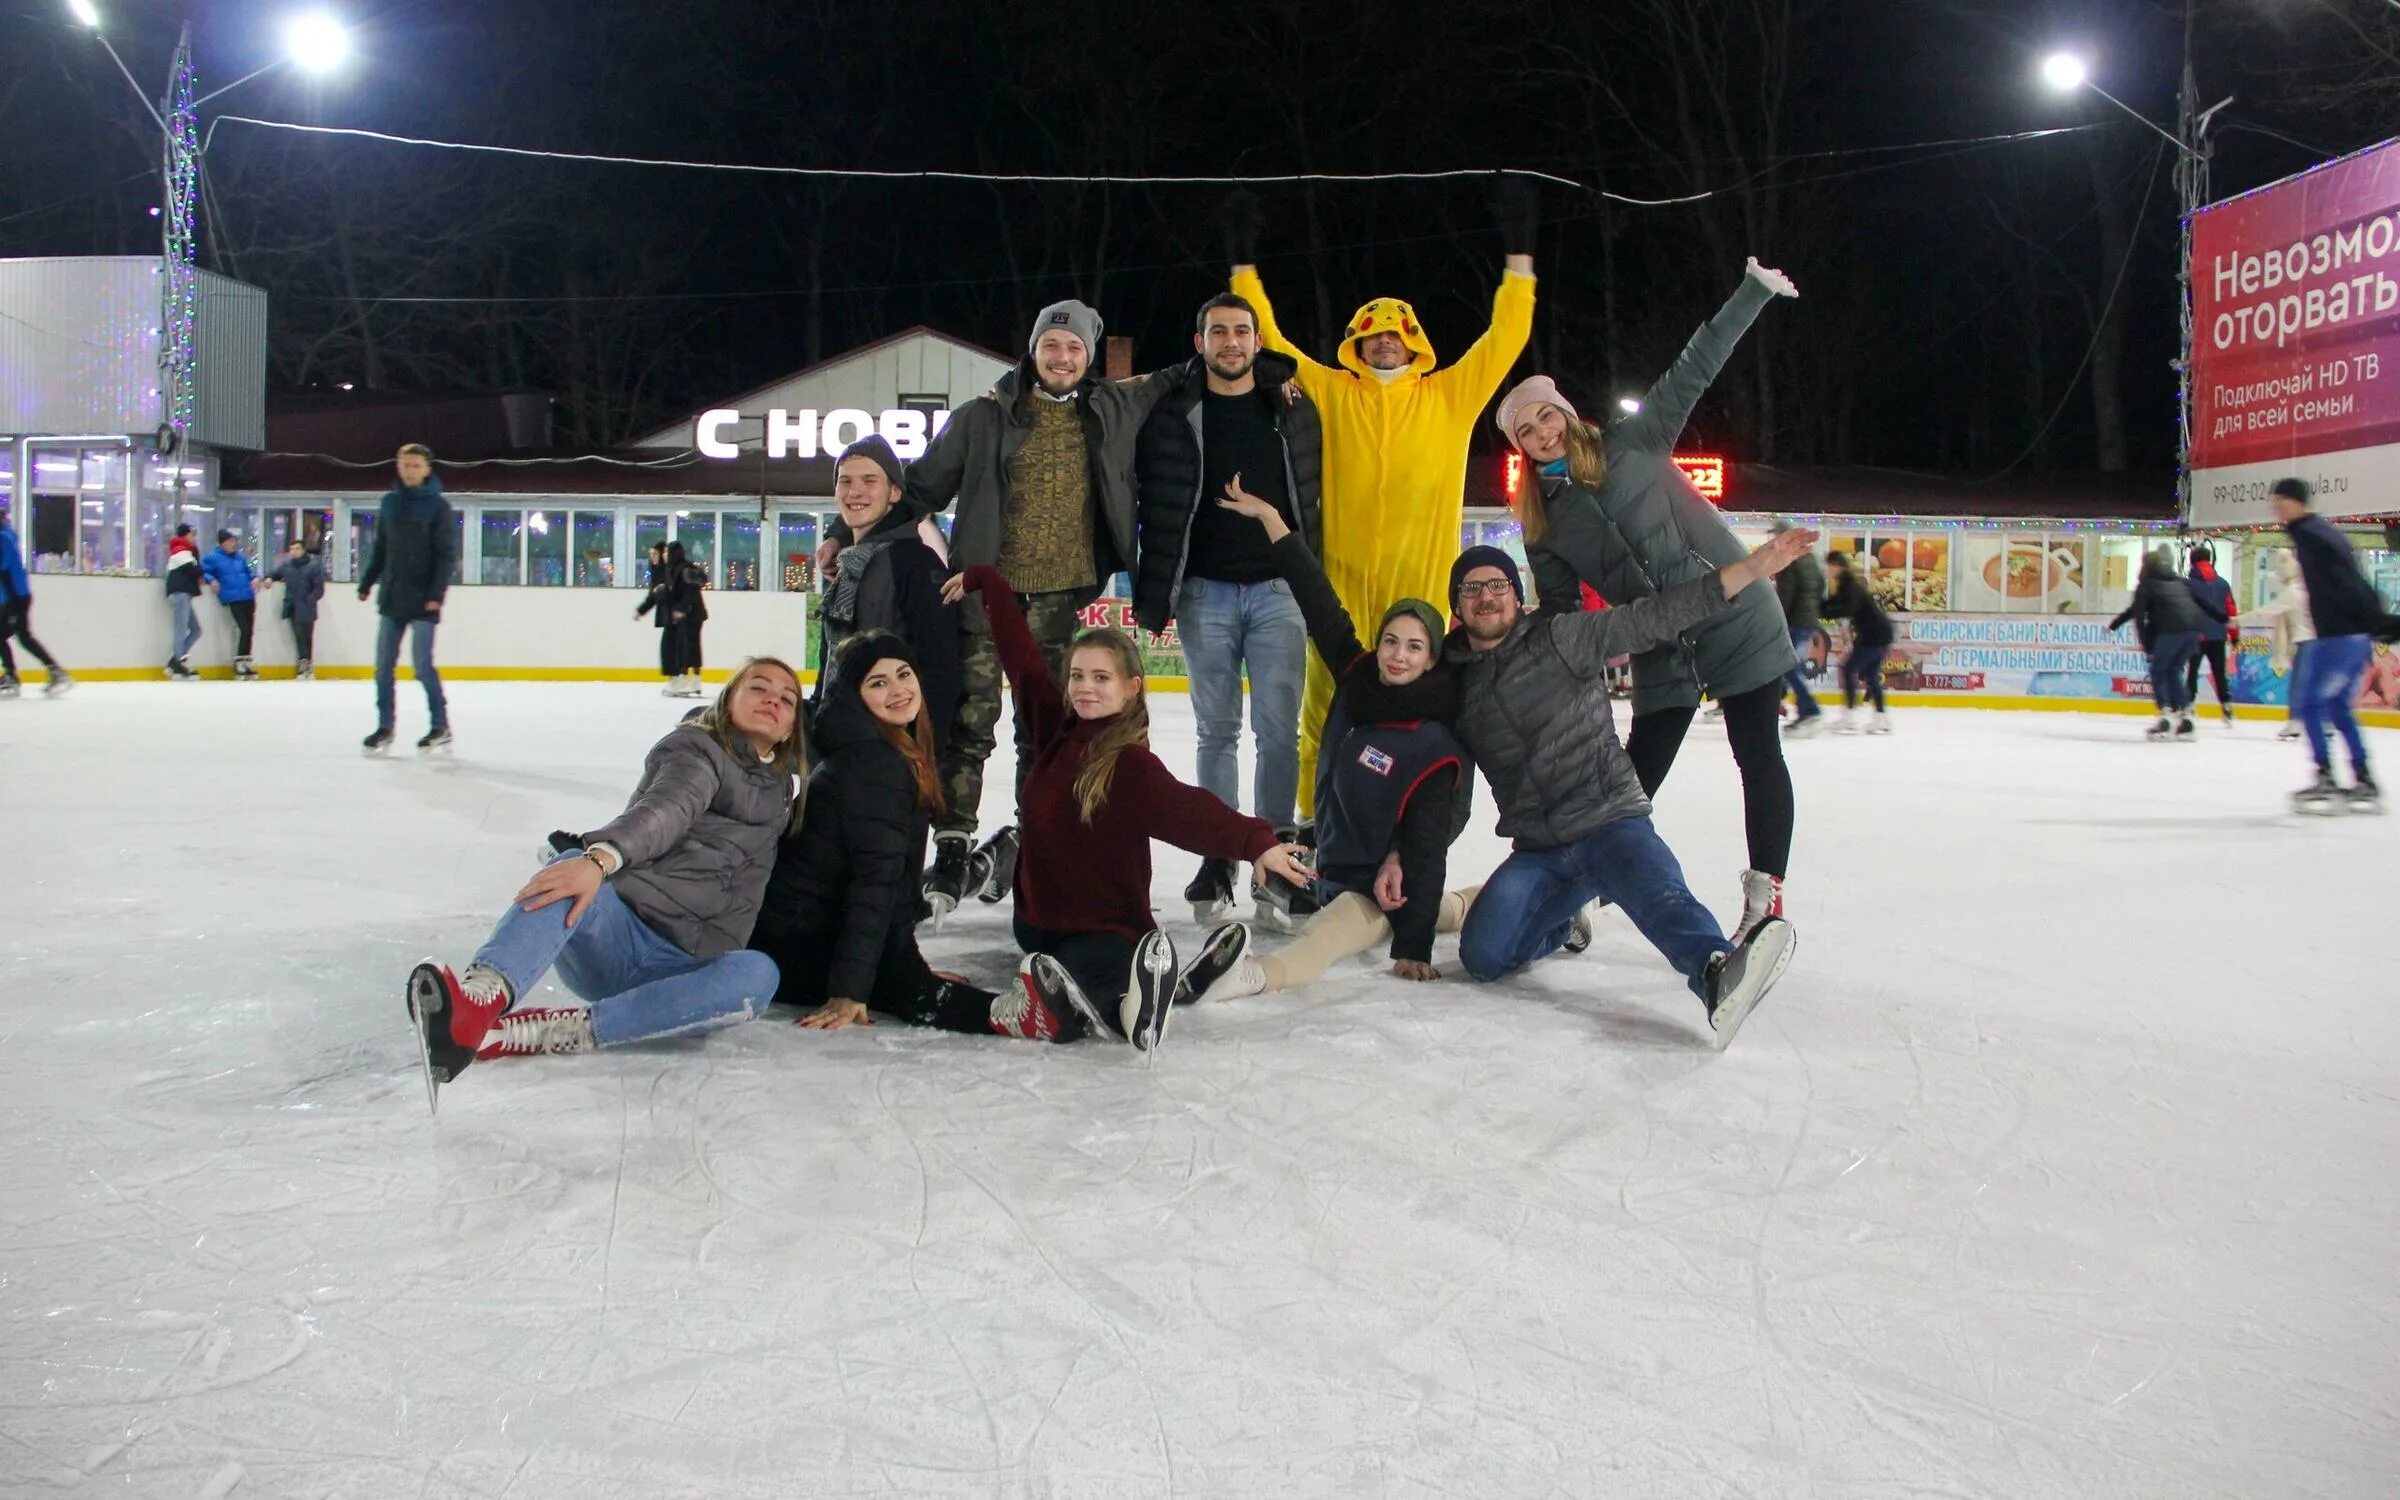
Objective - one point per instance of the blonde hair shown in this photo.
(1132, 726)
(1587, 465)
(789, 757)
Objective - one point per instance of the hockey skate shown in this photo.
(10, 687)
(2185, 734)
(1737, 981)
(378, 743)
(992, 869)
(1150, 993)
(2319, 796)
(1211, 892)
(244, 670)
(59, 685)
(946, 882)
(2365, 796)
(437, 740)
(2161, 731)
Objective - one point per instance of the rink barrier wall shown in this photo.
(115, 630)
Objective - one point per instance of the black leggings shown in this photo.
(14, 616)
(1863, 667)
(2212, 652)
(906, 988)
(1756, 733)
(1101, 963)
(245, 619)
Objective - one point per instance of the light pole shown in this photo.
(313, 41)
(2066, 72)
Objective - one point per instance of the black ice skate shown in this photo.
(378, 743)
(1150, 993)
(946, 882)
(2184, 733)
(436, 739)
(2162, 730)
(992, 869)
(1211, 892)
(1737, 981)
(2366, 796)
(2319, 795)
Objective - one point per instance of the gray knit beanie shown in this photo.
(1076, 318)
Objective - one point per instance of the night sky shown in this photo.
(1953, 295)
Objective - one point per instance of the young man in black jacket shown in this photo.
(1209, 569)
(2346, 611)
(416, 552)
(888, 580)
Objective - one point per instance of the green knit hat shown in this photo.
(1435, 626)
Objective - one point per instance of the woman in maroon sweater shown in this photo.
(1093, 800)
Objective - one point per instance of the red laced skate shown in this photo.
(535, 1033)
(1023, 1012)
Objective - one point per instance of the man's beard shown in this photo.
(1236, 373)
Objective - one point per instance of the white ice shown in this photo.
(2062, 1163)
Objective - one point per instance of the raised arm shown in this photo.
(1330, 628)
(1587, 642)
(1038, 696)
(1667, 406)
(1477, 375)
(1316, 379)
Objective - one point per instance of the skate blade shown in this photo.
(942, 906)
(1728, 1025)
(433, 1087)
(1210, 913)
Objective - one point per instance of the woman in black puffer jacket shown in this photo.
(2168, 616)
(1611, 509)
(841, 909)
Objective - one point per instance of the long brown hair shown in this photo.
(790, 755)
(1587, 465)
(1131, 728)
(915, 744)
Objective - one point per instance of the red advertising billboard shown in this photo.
(2296, 342)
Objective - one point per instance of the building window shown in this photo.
(546, 548)
(796, 550)
(648, 532)
(595, 548)
(503, 535)
(697, 530)
(925, 401)
(741, 551)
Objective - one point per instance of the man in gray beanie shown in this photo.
(1041, 470)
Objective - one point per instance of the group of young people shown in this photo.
(1267, 505)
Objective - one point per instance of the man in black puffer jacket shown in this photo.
(1209, 568)
(1533, 706)
(415, 554)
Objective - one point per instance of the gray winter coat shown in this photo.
(1647, 530)
(1534, 712)
(699, 841)
(303, 585)
(969, 464)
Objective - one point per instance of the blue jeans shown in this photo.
(184, 633)
(420, 653)
(1797, 678)
(2324, 690)
(639, 985)
(1528, 906)
(1225, 627)
(2169, 655)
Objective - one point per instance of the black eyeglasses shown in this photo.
(1477, 589)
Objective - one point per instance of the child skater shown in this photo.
(1391, 781)
(1094, 797)
(644, 918)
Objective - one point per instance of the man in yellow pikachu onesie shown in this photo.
(1396, 427)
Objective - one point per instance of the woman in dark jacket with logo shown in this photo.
(1611, 510)
(841, 910)
(2168, 617)
(1391, 782)
(643, 918)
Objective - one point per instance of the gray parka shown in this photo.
(969, 464)
(699, 841)
(1533, 710)
(1647, 529)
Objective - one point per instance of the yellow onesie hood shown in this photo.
(1386, 315)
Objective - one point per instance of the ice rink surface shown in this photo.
(2063, 1162)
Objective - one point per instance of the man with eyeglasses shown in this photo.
(1533, 710)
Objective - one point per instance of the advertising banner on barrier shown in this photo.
(2051, 657)
(2296, 342)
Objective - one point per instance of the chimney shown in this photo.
(1119, 359)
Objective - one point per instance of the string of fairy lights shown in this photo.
(178, 346)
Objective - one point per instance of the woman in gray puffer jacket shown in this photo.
(1612, 510)
(645, 918)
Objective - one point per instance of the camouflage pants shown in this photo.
(1054, 619)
